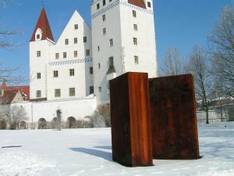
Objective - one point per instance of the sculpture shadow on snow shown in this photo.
(94, 152)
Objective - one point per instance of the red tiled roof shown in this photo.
(11, 91)
(8, 96)
(43, 24)
(139, 3)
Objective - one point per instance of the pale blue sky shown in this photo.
(179, 23)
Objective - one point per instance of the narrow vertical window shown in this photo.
(75, 40)
(136, 59)
(66, 41)
(111, 42)
(56, 55)
(72, 72)
(135, 41)
(75, 54)
(38, 53)
(134, 14)
(75, 26)
(55, 73)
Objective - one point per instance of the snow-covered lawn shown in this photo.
(87, 152)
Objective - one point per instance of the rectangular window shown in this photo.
(57, 93)
(104, 17)
(76, 26)
(99, 66)
(136, 59)
(56, 55)
(98, 48)
(135, 41)
(38, 94)
(1, 92)
(75, 40)
(104, 31)
(149, 4)
(64, 55)
(38, 75)
(91, 70)
(134, 13)
(135, 27)
(55, 73)
(66, 41)
(72, 72)
(75, 54)
(85, 39)
(91, 90)
(100, 89)
(98, 6)
(103, 2)
(111, 42)
(87, 53)
(38, 53)
(72, 92)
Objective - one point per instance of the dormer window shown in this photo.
(38, 34)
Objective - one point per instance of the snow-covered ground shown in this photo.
(87, 152)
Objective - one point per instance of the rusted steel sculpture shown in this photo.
(131, 129)
(173, 113)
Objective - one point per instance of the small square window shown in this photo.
(87, 53)
(136, 59)
(98, 6)
(134, 13)
(75, 54)
(72, 72)
(75, 40)
(57, 93)
(85, 39)
(91, 70)
(104, 17)
(72, 92)
(76, 26)
(135, 27)
(55, 73)
(38, 94)
(38, 53)
(56, 55)
(104, 31)
(64, 54)
(66, 41)
(38, 75)
(135, 41)
(111, 42)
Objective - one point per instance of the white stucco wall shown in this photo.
(77, 108)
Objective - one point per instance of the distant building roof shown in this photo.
(9, 93)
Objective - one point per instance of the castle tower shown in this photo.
(40, 41)
(123, 40)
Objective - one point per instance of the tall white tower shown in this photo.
(123, 40)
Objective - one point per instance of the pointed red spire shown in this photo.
(44, 25)
(139, 3)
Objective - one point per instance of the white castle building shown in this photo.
(72, 74)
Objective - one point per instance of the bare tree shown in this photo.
(172, 62)
(17, 114)
(198, 66)
(222, 45)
